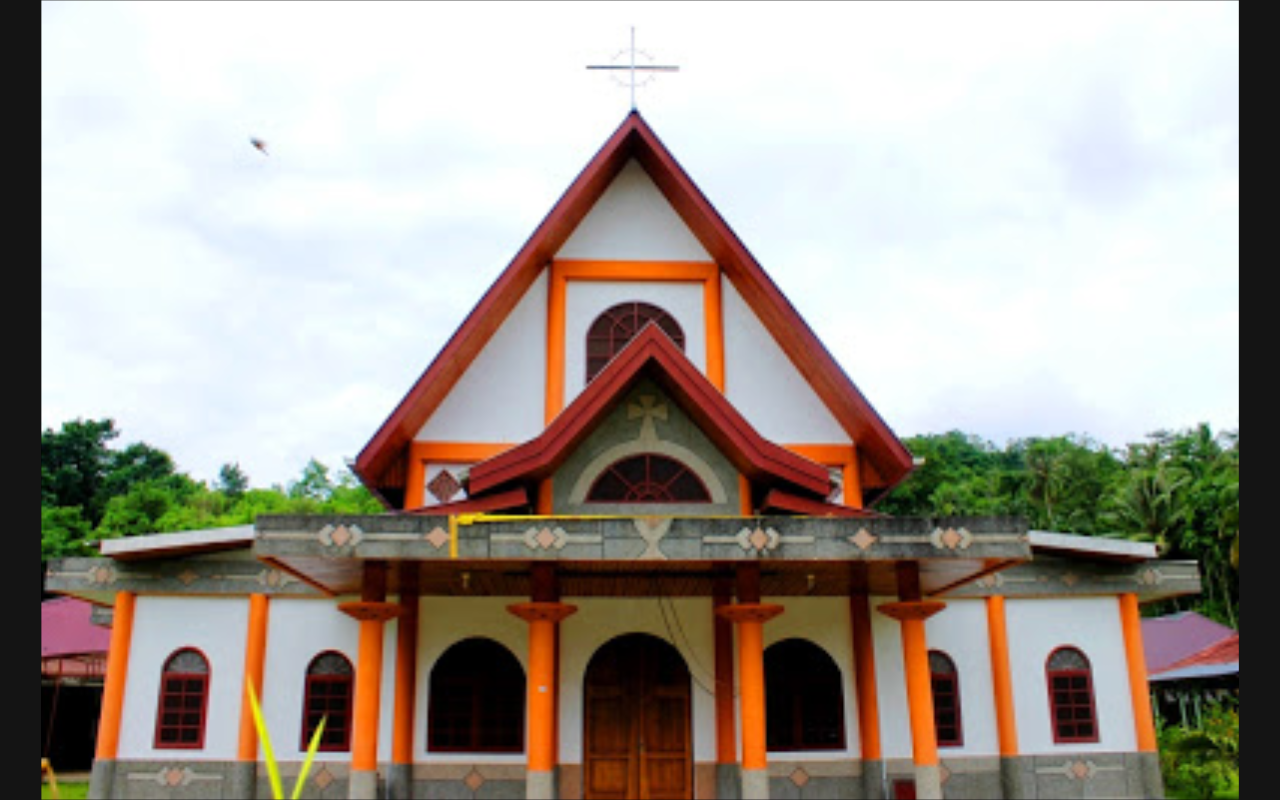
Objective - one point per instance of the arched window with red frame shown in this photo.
(946, 699)
(612, 330)
(184, 701)
(1072, 709)
(330, 688)
(648, 478)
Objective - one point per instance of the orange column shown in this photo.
(1001, 679)
(255, 652)
(543, 618)
(372, 611)
(102, 779)
(911, 612)
(749, 616)
(726, 740)
(1131, 624)
(117, 672)
(714, 321)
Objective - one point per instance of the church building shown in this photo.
(630, 550)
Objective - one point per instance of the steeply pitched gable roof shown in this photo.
(652, 353)
(380, 464)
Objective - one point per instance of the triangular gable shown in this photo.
(652, 353)
(381, 464)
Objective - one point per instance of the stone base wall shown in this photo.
(1130, 776)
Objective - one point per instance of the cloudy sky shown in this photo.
(1010, 219)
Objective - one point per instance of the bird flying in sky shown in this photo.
(261, 145)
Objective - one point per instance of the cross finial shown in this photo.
(633, 66)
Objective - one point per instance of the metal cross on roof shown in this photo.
(632, 67)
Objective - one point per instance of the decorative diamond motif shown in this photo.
(444, 486)
(799, 777)
(437, 538)
(862, 539)
(474, 780)
(545, 539)
(1080, 769)
(323, 778)
(951, 538)
(188, 576)
(173, 776)
(340, 536)
(758, 539)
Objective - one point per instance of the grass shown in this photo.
(67, 790)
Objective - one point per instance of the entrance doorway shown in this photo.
(637, 734)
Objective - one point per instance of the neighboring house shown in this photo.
(73, 657)
(630, 550)
(1191, 661)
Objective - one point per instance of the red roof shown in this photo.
(1169, 639)
(65, 629)
(381, 463)
(653, 353)
(1226, 651)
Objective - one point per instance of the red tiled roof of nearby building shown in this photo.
(1226, 651)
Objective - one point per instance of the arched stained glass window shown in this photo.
(946, 699)
(477, 698)
(329, 693)
(648, 478)
(804, 699)
(1071, 704)
(184, 698)
(618, 325)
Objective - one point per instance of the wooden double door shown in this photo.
(637, 737)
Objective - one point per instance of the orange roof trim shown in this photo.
(887, 458)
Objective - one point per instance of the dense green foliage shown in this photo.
(91, 491)
(1202, 761)
(1180, 490)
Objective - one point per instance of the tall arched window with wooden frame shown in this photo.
(184, 701)
(618, 325)
(804, 698)
(1072, 709)
(476, 700)
(946, 699)
(330, 689)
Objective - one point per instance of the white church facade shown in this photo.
(630, 551)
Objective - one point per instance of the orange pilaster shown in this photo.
(1001, 678)
(864, 675)
(1131, 624)
(556, 292)
(713, 317)
(545, 503)
(543, 618)
(911, 612)
(255, 652)
(117, 672)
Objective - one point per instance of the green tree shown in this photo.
(232, 481)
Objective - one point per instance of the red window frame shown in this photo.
(182, 707)
(948, 724)
(476, 699)
(618, 325)
(635, 479)
(328, 695)
(1073, 712)
(804, 698)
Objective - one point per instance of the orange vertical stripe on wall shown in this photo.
(713, 319)
(255, 652)
(117, 673)
(555, 343)
(1001, 678)
(1131, 624)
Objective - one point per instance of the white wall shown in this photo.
(765, 386)
(297, 631)
(214, 626)
(1090, 624)
(501, 397)
(632, 221)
